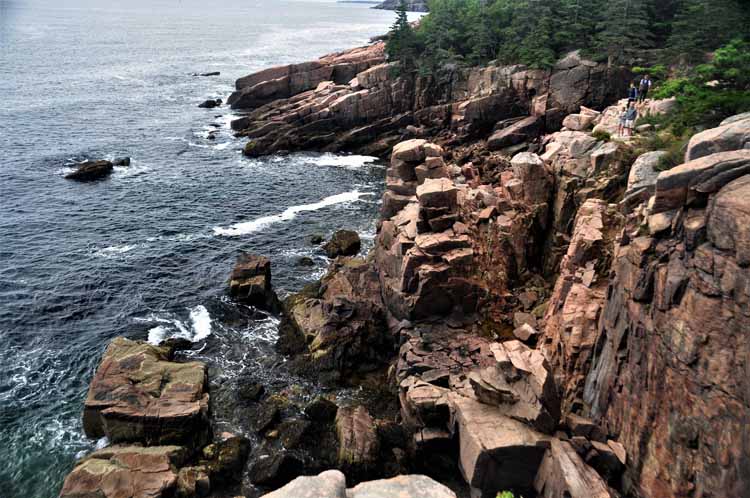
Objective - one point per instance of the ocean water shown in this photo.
(146, 253)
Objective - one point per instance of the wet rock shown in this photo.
(328, 484)
(225, 458)
(212, 73)
(91, 170)
(193, 482)
(248, 390)
(523, 131)
(321, 410)
(339, 327)
(358, 441)
(250, 282)
(136, 470)
(563, 474)
(276, 469)
(138, 394)
(732, 136)
(305, 261)
(210, 104)
(343, 243)
(121, 161)
(316, 239)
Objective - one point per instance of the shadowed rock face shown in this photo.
(138, 394)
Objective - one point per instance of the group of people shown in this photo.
(636, 93)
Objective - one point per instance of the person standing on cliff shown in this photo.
(644, 87)
(632, 93)
(627, 120)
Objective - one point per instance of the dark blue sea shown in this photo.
(146, 253)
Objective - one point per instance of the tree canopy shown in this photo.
(538, 32)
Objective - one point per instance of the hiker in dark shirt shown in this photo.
(627, 120)
(644, 87)
(632, 93)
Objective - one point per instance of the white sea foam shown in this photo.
(199, 329)
(288, 214)
(347, 162)
(114, 251)
(201, 323)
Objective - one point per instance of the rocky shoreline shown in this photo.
(544, 311)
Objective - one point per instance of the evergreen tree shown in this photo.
(624, 26)
(402, 41)
(577, 23)
(701, 25)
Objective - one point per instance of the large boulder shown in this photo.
(91, 170)
(343, 243)
(523, 131)
(734, 135)
(139, 395)
(332, 484)
(132, 471)
(495, 451)
(328, 484)
(250, 282)
(408, 486)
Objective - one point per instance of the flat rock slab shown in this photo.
(139, 395)
(124, 472)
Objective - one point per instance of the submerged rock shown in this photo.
(343, 243)
(210, 103)
(91, 170)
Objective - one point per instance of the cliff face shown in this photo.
(353, 101)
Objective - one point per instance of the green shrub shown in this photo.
(505, 494)
(602, 135)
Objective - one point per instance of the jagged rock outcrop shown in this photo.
(139, 395)
(343, 243)
(338, 326)
(354, 101)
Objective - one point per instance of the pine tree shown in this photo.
(402, 41)
(702, 25)
(624, 26)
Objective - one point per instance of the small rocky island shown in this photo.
(544, 311)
